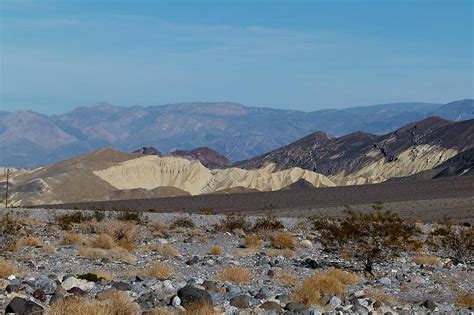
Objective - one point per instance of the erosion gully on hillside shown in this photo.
(426, 200)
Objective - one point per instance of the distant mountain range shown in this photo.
(29, 139)
(428, 149)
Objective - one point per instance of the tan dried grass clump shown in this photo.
(158, 228)
(104, 274)
(235, 275)
(465, 300)
(245, 252)
(283, 240)
(427, 260)
(199, 308)
(161, 311)
(29, 241)
(167, 250)
(103, 241)
(6, 268)
(217, 250)
(328, 282)
(125, 233)
(118, 303)
(49, 249)
(115, 254)
(71, 238)
(158, 270)
(287, 277)
(381, 296)
(252, 241)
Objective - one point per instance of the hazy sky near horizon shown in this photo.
(308, 55)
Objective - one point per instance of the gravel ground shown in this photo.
(397, 286)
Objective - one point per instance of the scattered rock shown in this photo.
(190, 294)
(22, 306)
(271, 306)
(240, 301)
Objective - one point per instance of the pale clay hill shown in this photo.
(108, 174)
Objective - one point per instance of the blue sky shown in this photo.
(57, 55)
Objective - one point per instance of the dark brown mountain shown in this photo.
(208, 157)
(413, 148)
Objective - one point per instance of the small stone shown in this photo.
(431, 305)
(40, 295)
(176, 301)
(192, 261)
(46, 284)
(120, 285)
(306, 244)
(283, 298)
(105, 294)
(385, 281)
(73, 282)
(77, 291)
(295, 307)
(271, 306)
(335, 302)
(240, 301)
(210, 286)
(271, 273)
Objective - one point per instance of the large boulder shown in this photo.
(21, 306)
(190, 294)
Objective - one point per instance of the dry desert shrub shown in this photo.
(369, 237)
(118, 303)
(269, 223)
(104, 274)
(131, 216)
(167, 250)
(216, 250)
(158, 270)
(328, 282)
(380, 295)
(161, 311)
(233, 222)
(287, 277)
(125, 233)
(427, 260)
(283, 240)
(103, 241)
(114, 254)
(182, 222)
(71, 238)
(235, 275)
(6, 268)
(29, 241)
(67, 220)
(245, 252)
(158, 228)
(465, 300)
(199, 308)
(455, 241)
(415, 245)
(49, 249)
(252, 241)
